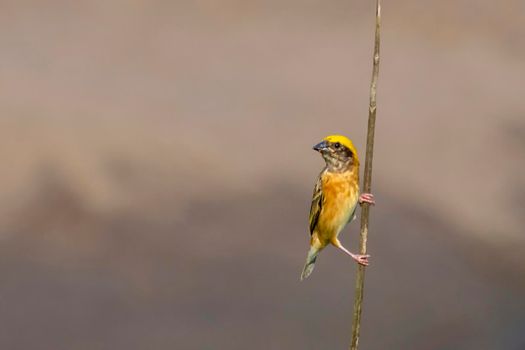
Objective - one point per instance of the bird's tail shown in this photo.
(310, 262)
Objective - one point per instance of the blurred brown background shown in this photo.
(157, 172)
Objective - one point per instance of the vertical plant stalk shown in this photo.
(367, 183)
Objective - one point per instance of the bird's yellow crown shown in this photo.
(345, 141)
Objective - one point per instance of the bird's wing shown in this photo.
(317, 202)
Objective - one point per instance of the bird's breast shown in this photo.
(340, 193)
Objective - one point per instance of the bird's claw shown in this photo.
(361, 259)
(367, 198)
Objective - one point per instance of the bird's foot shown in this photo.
(367, 198)
(361, 259)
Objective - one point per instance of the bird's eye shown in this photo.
(337, 145)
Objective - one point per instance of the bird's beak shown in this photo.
(320, 146)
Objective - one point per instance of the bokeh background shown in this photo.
(157, 172)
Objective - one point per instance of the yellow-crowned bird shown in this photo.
(335, 198)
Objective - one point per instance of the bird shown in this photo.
(335, 199)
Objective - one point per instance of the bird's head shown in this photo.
(338, 152)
